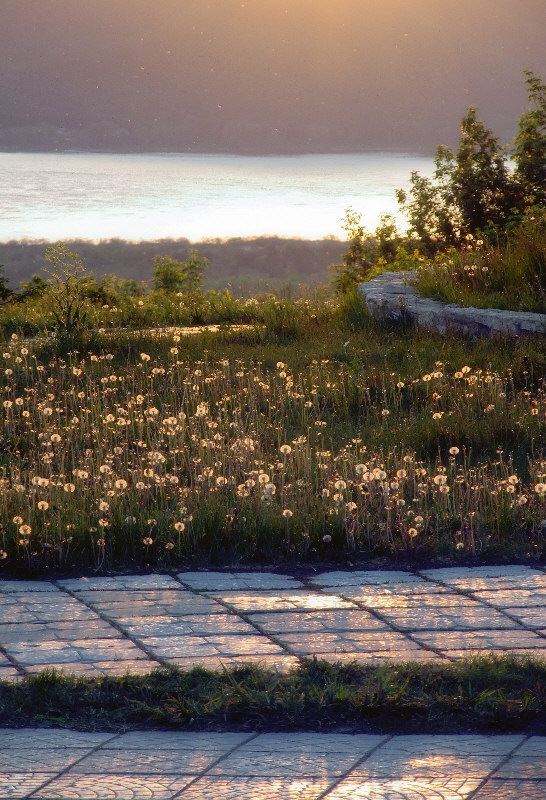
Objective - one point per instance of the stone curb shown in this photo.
(389, 297)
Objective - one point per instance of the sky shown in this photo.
(262, 75)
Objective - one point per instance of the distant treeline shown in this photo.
(244, 264)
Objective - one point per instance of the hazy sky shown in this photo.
(268, 74)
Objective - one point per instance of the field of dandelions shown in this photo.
(342, 441)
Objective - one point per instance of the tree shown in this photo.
(35, 287)
(530, 143)
(66, 287)
(168, 274)
(355, 262)
(430, 206)
(5, 291)
(484, 191)
(171, 275)
(473, 190)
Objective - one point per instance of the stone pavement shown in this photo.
(58, 764)
(214, 619)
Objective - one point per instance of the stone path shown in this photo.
(139, 623)
(59, 764)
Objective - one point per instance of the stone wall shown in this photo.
(389, 297)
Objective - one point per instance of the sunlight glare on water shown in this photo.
(94, 196)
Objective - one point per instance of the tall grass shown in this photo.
(308, 441)
(507, 276)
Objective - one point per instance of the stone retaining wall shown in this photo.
(388, 296)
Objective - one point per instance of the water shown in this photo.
(56, 196)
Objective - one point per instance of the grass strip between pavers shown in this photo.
(483, 694)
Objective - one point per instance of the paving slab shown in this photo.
(511, 790)
(222, 581)
(138, 623)
(52, 764)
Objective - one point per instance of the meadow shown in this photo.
(312, 435)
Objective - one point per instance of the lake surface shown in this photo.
(56, 196)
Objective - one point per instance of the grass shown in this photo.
(314, 436)
(509, 276)
(485, 694)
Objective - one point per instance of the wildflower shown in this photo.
(120, 484)
(103, 523)
(440, 480)
(179, 527)
(385, 412)
(379, 474)
(454, 451)
(444, 489)
(327, 538)
(43, 505)
(144, 357)
(540, 489)
(147, 540)
(101, 542)
(104, 506)
(285, 449)
(169, 546)
(69, 488)
(25, 530)
(325, 493)
(17, 520)
(412, 532)
(340, 485)
(287, 513)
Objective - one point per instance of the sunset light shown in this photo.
(272, 399)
